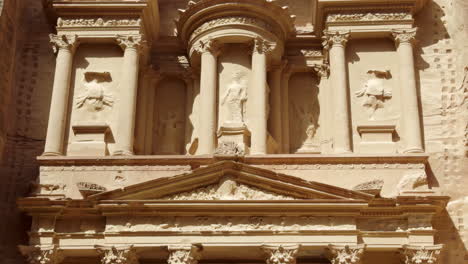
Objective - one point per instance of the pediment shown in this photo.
(228, 180)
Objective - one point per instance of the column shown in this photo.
(281, 254)
(128, 92)
(188, 254)
(345, 254)
(151, 109)
(64, 46)
(411, 121)
(285, 109)
(275, 118)
(208, 84)
(258, 97)
(117, 255)
(336, 42)
(42, 254)
(142, 113)
(421, 254)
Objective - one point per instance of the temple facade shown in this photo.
(242, 131)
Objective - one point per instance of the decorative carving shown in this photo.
(229, 148)
(262, 46)
(208, 45)
(117, 255)
(48, 189)
(227, 189)
(94, 95)
(42, 255)
(311, 52)
(374, 91)
(411, 182)
(404, 36)
(130, 42)
(239, 20)
(372, 187)
(421, 254)
(345, 254)
(322, 70)
(65, 42)
(234, 99)
(335, 38)
(271, 224)
(281, 254)
(97, 22)
(184, 254)
(366, 17)
(88, 188)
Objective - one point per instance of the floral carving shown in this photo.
(227, 189)
(232, 20)
(115, 255)
(404, 36)
(229, 148)
(335, 38)
(365, 17)
(97, 22)
(130, 42)
(281, 254)
(421, 254)
(94, 95)
(184, 255)
(42, 255)
(65, 42)
(208, 45)
(262, 46)
(345, 254)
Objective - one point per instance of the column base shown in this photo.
(413, 150)
(52, 153)
(122, 153)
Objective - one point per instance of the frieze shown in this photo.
(97, 22)
(362, 166)
(368, 17)
(115, 168)
(228, 224)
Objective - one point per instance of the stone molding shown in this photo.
(189, 254)
(404, 36)
(63, 42)
(42, 255)
(346, 254)
(335, 38)
(117, 255)
(78, 22)
(378, 16)
(281, 254)
(421, 254)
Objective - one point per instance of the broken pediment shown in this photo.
(229, 180)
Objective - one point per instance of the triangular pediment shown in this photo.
(228, 180)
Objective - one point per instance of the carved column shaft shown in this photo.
(65, 47)
(208, 84)
(127, 109)
(409, 95)
(276, 107)
(259, 116)
(338, 75)
(285, 111)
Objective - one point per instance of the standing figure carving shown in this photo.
(234, 99)
(374, 91)
(169, 133)
(95, 96)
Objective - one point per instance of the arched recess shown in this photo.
(304, 113)
(169, 119)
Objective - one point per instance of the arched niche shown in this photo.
(169, 117)
(304, 113)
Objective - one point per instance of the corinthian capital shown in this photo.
(420, 254)
(281, 254)
(345, 254)
(117, 255)
(130, 42)
(404, 36)
(189, 254)
(42, 255)
(331, 38)
(208, 45)
(66, 42)
(262, 46)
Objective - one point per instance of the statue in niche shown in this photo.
(234, 99)
(169, 129)
(374, 91)
(95, 97)
(309, 124)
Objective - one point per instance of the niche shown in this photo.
(169, 118)
(304, 112)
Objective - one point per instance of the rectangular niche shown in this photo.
(304, 113)
(169, 117)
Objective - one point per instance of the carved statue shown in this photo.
(235, 97)
(94, 96)
(308, 124)
(169, 132)
(374, 91)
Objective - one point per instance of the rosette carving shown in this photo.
(281, 254)
(66, 42)
(345, 254)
